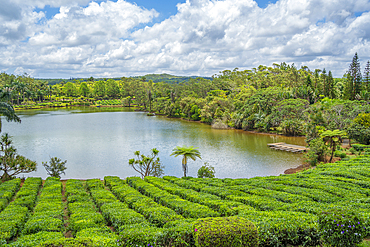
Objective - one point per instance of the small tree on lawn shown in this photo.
(12, 164)
(55, 167)
(147, 165)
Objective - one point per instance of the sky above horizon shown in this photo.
(83, 38)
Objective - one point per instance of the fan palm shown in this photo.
(187, 152)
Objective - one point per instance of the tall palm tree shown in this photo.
(187, 152)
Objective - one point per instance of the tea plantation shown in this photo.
(285, 210)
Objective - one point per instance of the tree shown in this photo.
(360, 128)
(366, 77)
(187, 152)
(8, 112)
(317, 152)
(84, 89)
(353, 79)
(333, 137)
(12, 164)
(99, 88)
(112, 89)
(206, 171)
(55, 167)
(70, 89)
(147, 165)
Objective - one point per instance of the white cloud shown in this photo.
(204, 37)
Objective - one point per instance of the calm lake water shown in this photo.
(97, 142)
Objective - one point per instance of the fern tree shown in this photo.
(187, 152)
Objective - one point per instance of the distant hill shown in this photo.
(154, 77)
(169, 78)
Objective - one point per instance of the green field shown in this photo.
(162, 211)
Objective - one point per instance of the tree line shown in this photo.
(280, 98)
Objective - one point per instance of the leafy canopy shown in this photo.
(12, 164)
(187, 152)
(147, 165)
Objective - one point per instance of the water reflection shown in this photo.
(99, 141)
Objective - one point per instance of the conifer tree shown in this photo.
(353, 79)
(330, 82)
(366, 81)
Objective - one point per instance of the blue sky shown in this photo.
(82, 38)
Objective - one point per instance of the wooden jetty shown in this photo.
(288, 147)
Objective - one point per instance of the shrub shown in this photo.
(317, 152)
(228, 231)
(206, 171)
(36, 239)
(341, 228)
(139, 235)
(68, 242)
(340, 154)
(101, 236)
(178, 233)
(56, 167)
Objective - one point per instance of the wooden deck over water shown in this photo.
(288, 147)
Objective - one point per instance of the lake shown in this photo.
(98, 142)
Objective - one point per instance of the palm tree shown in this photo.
(8, 112)
(187, 152)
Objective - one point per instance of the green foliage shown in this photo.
(359, 133)
(341, 228)
(206, 171)
(102, 237)
(333, 137)
(139, 235)
(8, 112)
(81, 210)
(12, 164)
(147, 165)
(48, 212)
(187, 152)
(230, 231)
(179, 205)
(363, 119)
(67, 242)
(155, 213)
(317, 152)
(55, 167)
(37, 239)
(340, 154)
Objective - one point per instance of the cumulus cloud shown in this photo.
(204, 37)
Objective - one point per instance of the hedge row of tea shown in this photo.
(284, 210)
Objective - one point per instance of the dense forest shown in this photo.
(281, 98)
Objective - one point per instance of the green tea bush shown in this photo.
(341, 228)
(7, 191)
(13, 217)
(178, 233)
(68, 242)
(340, 154)
(360, 147)
(180, 206)
(102, 236)
(37, 239)
(82, 212)
(230, 231)
(140, 235)
(281, 228)
(48, 213)
(114, 211)
(154, 212)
